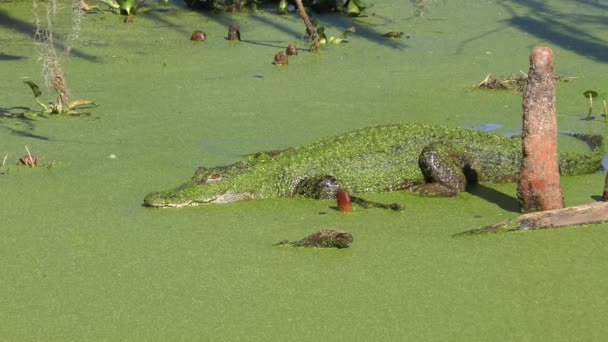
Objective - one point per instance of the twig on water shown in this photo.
(32, 164)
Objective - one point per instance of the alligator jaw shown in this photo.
(160, 200)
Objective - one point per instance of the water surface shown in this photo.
(83, 260)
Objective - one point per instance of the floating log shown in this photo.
(596, 212)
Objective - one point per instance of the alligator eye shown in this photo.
(214, 178)
(344, 237)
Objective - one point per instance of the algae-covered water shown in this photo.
(82, 259)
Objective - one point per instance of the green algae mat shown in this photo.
(83, 260)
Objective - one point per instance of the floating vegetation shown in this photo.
(395, 35)
(514, 83)
(421, 7)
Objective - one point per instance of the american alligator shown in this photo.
(373, 159)
(324, 238)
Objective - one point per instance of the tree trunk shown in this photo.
(539, 186)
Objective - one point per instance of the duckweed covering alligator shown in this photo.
(373, 159)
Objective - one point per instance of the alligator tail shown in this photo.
(577, 163)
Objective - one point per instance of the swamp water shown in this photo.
(83, 260)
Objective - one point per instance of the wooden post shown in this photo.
(538, 187)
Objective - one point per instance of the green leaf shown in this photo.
(34, 88)
(353, 9)
(129, 6)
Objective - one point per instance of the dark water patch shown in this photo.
(560, 30)
(488, 127)
(5, 57)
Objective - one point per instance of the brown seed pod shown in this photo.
(198, 36)
(344, 204)
(291, 50)
(28, 160)
(234, 32)
(280, 58)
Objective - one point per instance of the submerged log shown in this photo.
(538, 187)
(596, 212)
(324, 238)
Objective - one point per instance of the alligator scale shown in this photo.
(373, 159)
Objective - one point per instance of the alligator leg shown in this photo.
(325, 187)
(443, 171)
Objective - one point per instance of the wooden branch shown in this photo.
(310, 28)
(596, 212)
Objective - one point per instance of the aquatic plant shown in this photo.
(3, 170)
(57, 108)
(352, 7)
(50, 59)
(283, 7)
(127, 7)
(590, 94)
(337, 39)
(604, 96)
(131, 7)
(513, 83)
(355, 8)
(222, 5)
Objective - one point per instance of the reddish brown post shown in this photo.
(344, 203)
(538, 187)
